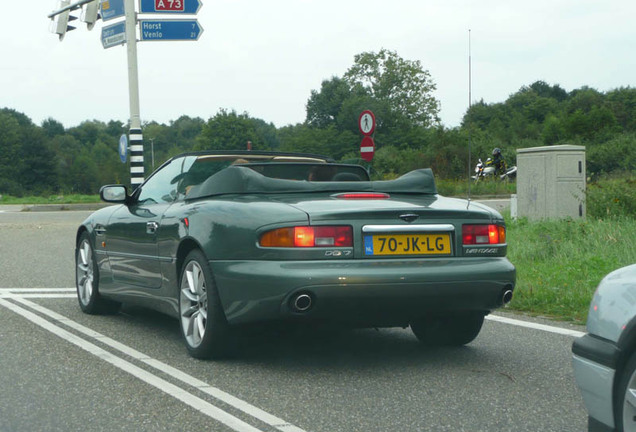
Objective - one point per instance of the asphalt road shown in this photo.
(62, 370)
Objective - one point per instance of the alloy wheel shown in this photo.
(85, 272)
(193, 304)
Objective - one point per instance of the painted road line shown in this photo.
(38, 293)
(32, 290)
(177, 374)
(33, 293)
(172, 390)
(43, 295)
(535, 326)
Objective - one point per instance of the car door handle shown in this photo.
(100, 230)
(151, 227)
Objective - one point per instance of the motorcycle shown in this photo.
(487, 170)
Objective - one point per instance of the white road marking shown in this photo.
(535, 326)
(37, 293)
(50, 296)
(33, 293)
(219, 394)
(161, 384)
(35, 290)
(20, 294)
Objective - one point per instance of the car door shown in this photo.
(132, 232)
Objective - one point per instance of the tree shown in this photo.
(10, 144)
(38, 167)
(231, 131)
(326, 141)
(52, 127)
(404, 84)
(325, 106)
(543, 89)
(622, 101)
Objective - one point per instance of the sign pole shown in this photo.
(135, 134)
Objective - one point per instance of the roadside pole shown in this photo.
(125, 32)
(135, 134)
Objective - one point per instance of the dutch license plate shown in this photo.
(407, 244)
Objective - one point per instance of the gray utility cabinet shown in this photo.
(551, 182)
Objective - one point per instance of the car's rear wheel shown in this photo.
(626, 398)
(87, 280)
(452, 329)
(203, 324)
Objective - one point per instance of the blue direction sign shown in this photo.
(164, 30)
(114, 34)
(123, 148)
(111, 9)
(170, 6)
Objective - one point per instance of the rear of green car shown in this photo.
(365, 258)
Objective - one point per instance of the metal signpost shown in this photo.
(125, 31)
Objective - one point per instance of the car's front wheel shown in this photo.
(452, 329)
(626, 398)
(87, 280)
(203, 324)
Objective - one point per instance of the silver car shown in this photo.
(605, 359)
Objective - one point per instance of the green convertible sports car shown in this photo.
(225, 239)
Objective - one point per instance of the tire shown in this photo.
(203, 325)
(454, 329)
(625, 405)
(87, 280)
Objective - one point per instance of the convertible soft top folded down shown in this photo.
(245, 180)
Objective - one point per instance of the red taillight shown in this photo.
(362, 195)
(483, 234)
(304, 236)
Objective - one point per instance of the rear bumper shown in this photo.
(594, 361)
(373, 293)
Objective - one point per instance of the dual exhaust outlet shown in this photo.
(302, 302)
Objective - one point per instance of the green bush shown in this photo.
(613, 156)
(612, 197)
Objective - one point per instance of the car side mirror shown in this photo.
(114, 193)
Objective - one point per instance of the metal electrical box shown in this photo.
(551, 182)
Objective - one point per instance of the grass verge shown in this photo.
(54, 199)
(560, 262)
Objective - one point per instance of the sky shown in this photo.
(265, 57)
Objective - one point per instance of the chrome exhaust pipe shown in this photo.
(302, 302)
(507, 296)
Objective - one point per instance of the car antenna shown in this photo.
(469, 120)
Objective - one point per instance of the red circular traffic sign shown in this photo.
(366, 122)
(367, 148)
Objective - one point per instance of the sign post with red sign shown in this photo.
(367, 148)
(366, 123)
